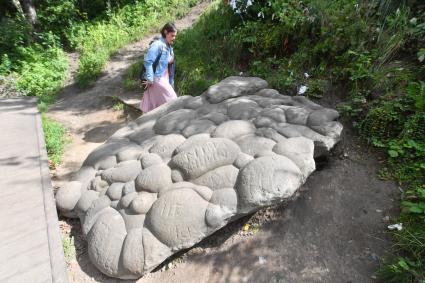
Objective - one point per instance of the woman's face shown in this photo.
(170, 37)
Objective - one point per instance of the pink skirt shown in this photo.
(157, 94)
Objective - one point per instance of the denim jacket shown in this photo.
(155, 49)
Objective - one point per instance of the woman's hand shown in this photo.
(146, 84)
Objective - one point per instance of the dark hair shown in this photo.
(168, 27)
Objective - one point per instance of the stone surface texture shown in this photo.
(181, 172)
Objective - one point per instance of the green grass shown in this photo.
(55, 138)
(132, 76)
(68, 248)
(118, 106)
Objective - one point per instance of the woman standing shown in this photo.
(159, 77)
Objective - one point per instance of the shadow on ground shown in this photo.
(333, 231)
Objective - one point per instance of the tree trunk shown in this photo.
(29, 10)
(18, 7)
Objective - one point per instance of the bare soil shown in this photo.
(334, 230)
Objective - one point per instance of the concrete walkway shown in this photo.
(30, 243)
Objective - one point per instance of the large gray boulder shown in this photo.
(181, 172)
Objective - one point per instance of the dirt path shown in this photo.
(88, 114)
(334, 231)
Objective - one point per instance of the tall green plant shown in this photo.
(366, 48)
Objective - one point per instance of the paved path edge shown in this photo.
(57, 258)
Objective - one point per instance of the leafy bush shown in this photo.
(372, 51)
(60, 16)
(96, 29)
(34, 59)
(41, 72)
(101, 40)
(14, 33)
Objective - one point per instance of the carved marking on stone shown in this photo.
(175, 175)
